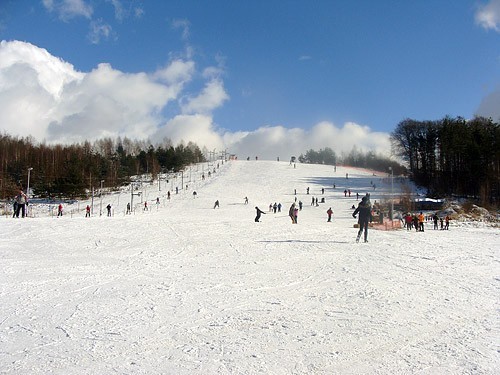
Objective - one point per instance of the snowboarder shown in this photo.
(259, 212)
(364, 210)
(216, 204)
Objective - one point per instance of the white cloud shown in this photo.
(68, 9)
(212, 97)
(138, 12)
(488, 15)
(120, 13)
(43, 96)
(195, 128)
(184, 25)
(176, 71)
(273, 141)
(99, 30)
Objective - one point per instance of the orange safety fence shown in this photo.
(386, 225)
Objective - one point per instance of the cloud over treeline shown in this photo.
(47, 98)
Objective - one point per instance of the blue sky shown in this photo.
(250, 71)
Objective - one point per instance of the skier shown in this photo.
(259, 212)
(364, 210)
(291, 213)
(329, 213)
(87, 211)
(109, 209)
(60, 210)
(128, 209)
(216, 204)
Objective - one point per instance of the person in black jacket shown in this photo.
(364, 210)
(259, 212)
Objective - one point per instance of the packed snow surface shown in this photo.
(186, 288)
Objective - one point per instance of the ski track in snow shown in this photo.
(188, 289)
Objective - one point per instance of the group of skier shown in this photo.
(414, 221)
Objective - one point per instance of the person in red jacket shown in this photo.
(329, 213)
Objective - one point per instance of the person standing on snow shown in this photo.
(291, 213)
(259, 212)
(421, 220)
(21, 200)
(435, 219)
(364, 210)
(60, 210)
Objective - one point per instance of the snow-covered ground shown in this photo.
(184, 288)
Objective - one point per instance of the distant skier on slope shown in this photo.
(329, 213)
(259, 212)
(291, 212)
(364, 210)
